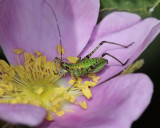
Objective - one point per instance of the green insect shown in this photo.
(87, 65)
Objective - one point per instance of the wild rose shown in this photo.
(31, 26)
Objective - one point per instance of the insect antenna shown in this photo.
(56, 24)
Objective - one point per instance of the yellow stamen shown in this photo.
(86, 91)
(72, 81)
(96, 79)
(60, 49)
(83, 105)
(90, 83)
(85, 87)
(18, 51)
(39, 90)
(36, 83)
(38, 53)
(49, 117)
(1, 92)
(72, 59)
(60, 113)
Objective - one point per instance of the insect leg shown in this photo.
(109, 78)
(115, 58)
(57, 60)
(124, 46)
(89, 76)
(55, 73)
(73, 84)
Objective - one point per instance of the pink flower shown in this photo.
(31, 25)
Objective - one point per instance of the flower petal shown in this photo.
(31, 25)
(142, 33)
(115, 22)
(115, 104)
(22, 114)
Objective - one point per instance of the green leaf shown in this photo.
(142, 7)
(156, 12)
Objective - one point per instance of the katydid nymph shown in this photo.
(86, 65)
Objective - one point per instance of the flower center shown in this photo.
(38, 83)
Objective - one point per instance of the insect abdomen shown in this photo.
(87, 66)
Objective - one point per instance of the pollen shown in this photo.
(60, 49)
(86, 91)
(37, 82)
(94, 77)
(83, 105)
(85, 86)
(18, 51)
(38, 53)
(72, 59)
(90, 83)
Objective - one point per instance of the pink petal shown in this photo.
(31, 25)
(22, 114)
(115, 104)
(142, 33)
(115, 22)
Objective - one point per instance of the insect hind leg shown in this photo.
(104, 54)
(124, 46)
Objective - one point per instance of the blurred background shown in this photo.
(145, 8)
